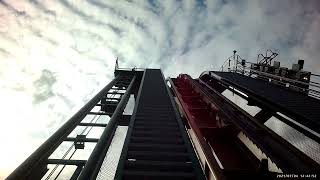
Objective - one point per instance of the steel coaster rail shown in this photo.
(266, 102)
(284, 154)
(194, 158)
(296, 125)
(205, 147)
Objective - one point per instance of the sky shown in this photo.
(57, 54)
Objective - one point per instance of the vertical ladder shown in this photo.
(157, 145)
(112, 100)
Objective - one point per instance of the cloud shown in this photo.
(42, 8)
(4, 52)
(43, 86)
(13, 9)
(63, 52)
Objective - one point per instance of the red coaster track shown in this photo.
(231, 143)
(226, 156)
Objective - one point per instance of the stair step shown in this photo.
(156, 131)
(155, 175)
(159, 127)
(155, 134)
(158, 166)
(156, 147)
(172, 140)
(158, 156)
(152, 115)
(155, 128)
(155, 123)
(155, 120)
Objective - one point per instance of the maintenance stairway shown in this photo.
(157, 145)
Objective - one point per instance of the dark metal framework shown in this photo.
(156, 139)
(35, 166)
(272, 98)
(157, 145)
(216, 121)
(267, 58)
(295, 79)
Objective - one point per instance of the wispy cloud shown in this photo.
(42, 8)
(44, 86)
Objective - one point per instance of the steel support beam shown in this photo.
(255, 100)
(111, 98)
(284, 155)
(120, 93)
(93, 124)
(67, 162)
(82, 140)
(298, 128)
(37, 159)
(124, 120)
(263, 115)
(289, 103)
(92, 167)
(76, 173)
(100, 113)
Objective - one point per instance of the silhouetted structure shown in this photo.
(184, 128)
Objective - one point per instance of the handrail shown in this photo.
(130, 69)
(236, 58)
(91, 168)
(284, 78)
(248, 71)
(126, 69)
(287, 80)
(315, 93)
(235, 65)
